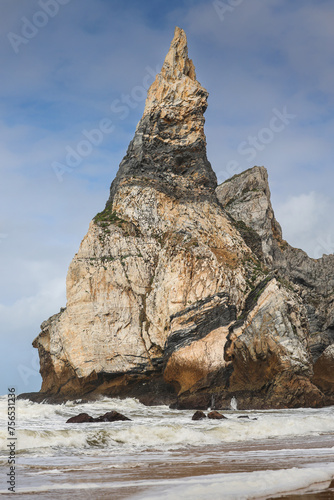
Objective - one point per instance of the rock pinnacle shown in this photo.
(183, 294)
(177, 62)
(169, 146)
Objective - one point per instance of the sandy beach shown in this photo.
(162, 454)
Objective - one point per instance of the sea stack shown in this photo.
(183, 292)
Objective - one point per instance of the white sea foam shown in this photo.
(240, 486)
(42, 427)
(158, 437)
(234, 403)
(237, 486)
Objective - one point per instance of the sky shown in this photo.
(74, 76)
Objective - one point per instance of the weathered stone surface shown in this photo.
(185, 292)
(267, 350)
(198, 415)
(272, 339)
(111, 416)
(160, 255)
(215, 415)
(324, 370)
(82, 418)
(246, 198)
(168, 150)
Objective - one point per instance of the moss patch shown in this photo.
(108, 216)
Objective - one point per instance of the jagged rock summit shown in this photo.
(168, 151)
(185, 293)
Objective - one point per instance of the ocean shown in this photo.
(163, 454)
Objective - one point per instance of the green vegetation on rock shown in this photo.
(108, 215)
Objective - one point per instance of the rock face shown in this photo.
(183, 291)
(110, 416)
(82, 418)
(246, 197)
(198, 415)
(215, 415)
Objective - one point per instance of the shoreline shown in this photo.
(147, 400)
(162, 452)
(325, 493)
(118, 485)
(138, 476)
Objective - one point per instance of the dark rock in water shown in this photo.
(110, 416)
(215, 415)
(246, 418)
(198, 415)
(80, 419)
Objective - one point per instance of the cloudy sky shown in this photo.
(73, 70)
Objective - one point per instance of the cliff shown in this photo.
(246, 197)
(184, 292)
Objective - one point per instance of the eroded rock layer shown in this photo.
(183, 292)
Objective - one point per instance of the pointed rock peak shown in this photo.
(168, 150)
(177, 62)
(176, 96)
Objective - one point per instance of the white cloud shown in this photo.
(307, 223)
(29, 312)
(20, 321)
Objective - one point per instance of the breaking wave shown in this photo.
(152, 427)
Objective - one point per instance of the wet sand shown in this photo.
(121, 478)
(326, 494)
